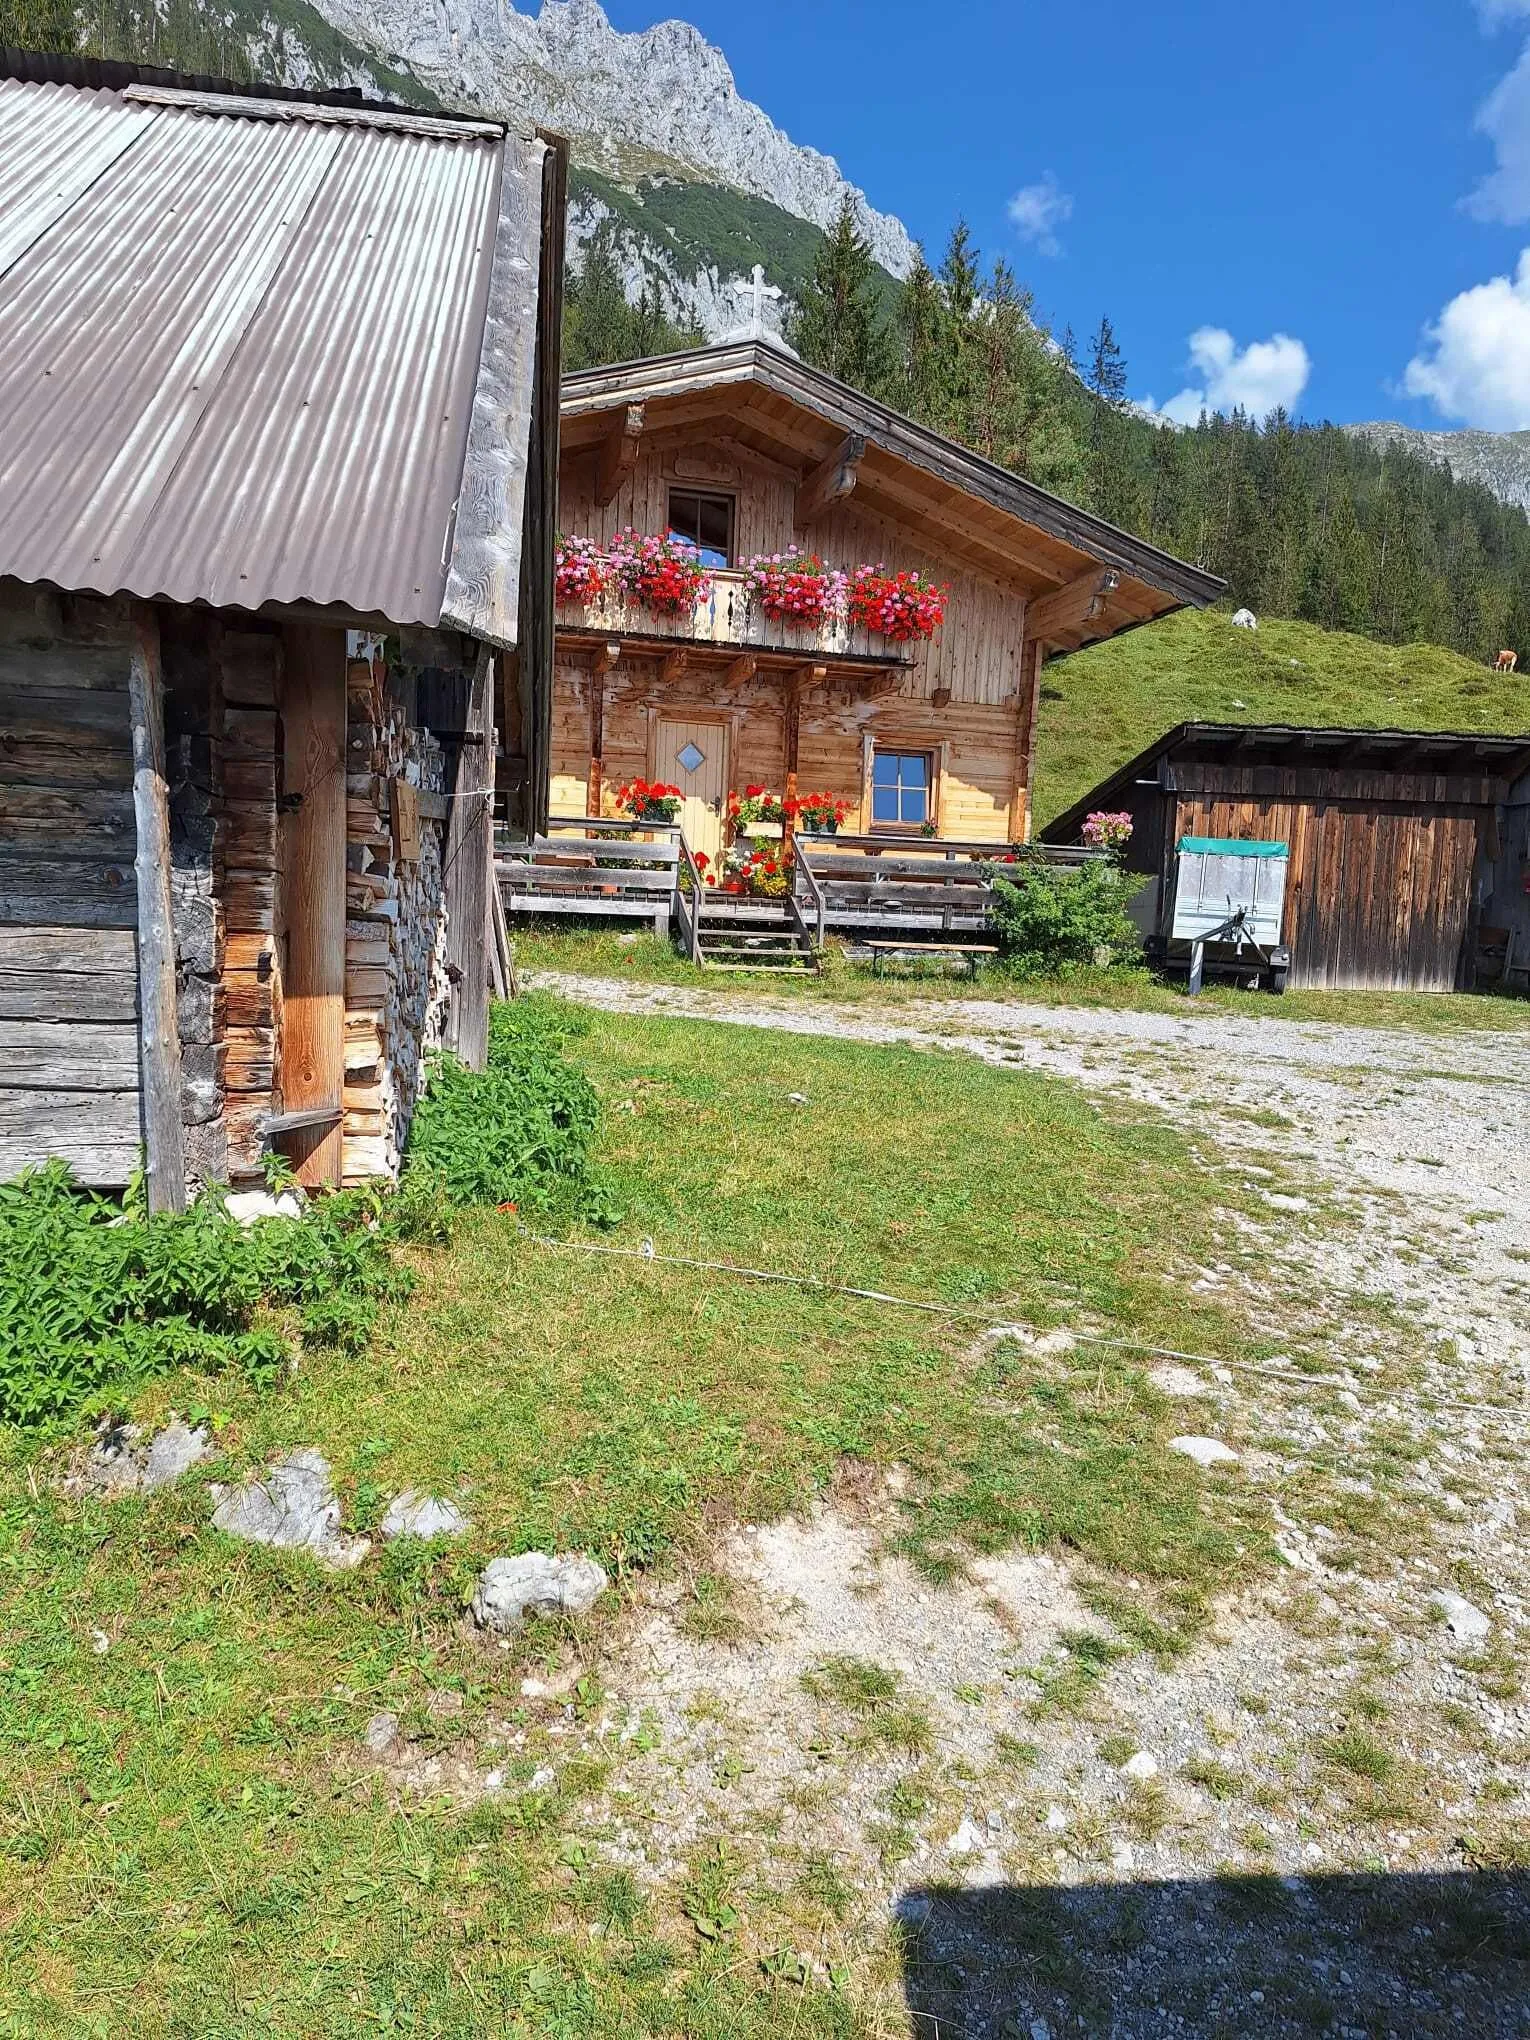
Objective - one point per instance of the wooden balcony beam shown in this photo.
(676, 666)
(618, 454)
(831, 481)
(607, 655)
(1070, 607)
(741, 669)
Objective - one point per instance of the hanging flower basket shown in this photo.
(581, 572)
(662, 575)
(1107, 831)
(796, 588)
(646, 802)
(902, 607)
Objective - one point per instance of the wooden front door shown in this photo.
(694, 757)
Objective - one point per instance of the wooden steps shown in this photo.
(758, 936)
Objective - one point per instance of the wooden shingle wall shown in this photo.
(69, 1076)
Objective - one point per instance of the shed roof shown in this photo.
(1285, 744)
(241, 343)
(977, 511)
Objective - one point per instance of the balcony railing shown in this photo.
(727, 617)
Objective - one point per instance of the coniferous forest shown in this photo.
(1301, 520)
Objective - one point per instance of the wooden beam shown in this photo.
(1054, 615)
(675, 667)
(159, 1041)
(483, 582)
(312, 1049)
(469, 874)
(617, 457)
(832, 480)
(603, 665)
(1032, 660)
(741, 669)
(607, 656)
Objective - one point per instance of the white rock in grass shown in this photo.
(121, 1463)
(510, 1589)
(1141, 1767)
(1205, 1451)
(248, 1207)
(422, 1516)
(1173, 1380)
(967, 1841)
(292, 1509)
(1465, 1623)
(381, 1733)
(175, 1451)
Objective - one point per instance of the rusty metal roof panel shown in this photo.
(239, 352)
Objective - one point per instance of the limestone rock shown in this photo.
(248, 1207)
(1205, 1451)
(292, 1509)
(381, 1733)
(422, 1516)
(123, 1462)
(1141, 1767)
(510, 1589)
(1465, 1623)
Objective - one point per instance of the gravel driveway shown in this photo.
(1351, 1740)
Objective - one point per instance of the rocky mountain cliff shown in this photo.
(647, 114)
(1500, 461)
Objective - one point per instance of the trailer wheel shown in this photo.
(1278, 980)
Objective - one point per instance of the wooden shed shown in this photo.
(278, 456)
(1409, 852)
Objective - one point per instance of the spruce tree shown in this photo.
(837, 326)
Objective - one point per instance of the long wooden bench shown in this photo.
(970, 950)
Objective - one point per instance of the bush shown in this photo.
(521, 1132)
(1051, 920)
(95, 1299)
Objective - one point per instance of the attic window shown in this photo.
(706, 522)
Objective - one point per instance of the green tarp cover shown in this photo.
(1224, 846)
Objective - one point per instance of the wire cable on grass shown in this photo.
(933, 1307)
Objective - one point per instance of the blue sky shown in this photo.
(1343, 188)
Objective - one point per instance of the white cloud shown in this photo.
(1038, 210)
(1505, 119)
(1266, 375)
(1475, 366)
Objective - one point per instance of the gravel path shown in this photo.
(1335, 1741)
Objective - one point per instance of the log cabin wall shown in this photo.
(1381, 894)
(249, 670)
(69, 1069)
(965, 697)
(1505, 886)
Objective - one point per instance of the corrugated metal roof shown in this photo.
(238, 353)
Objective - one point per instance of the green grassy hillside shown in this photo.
(1101, 707)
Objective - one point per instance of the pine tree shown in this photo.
(914, 384)
(837, 326)
(600, 326)
(38, 25)
(1109, 458)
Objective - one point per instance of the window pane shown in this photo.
(884, 804)
(913, 773)
(715, 521)
(915, 807)
(704, 522)
(884, 769)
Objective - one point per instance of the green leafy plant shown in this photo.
(96, 1297)
(520, 1131)
(1051, 920)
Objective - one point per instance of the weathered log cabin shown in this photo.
(278, 390)
(1409, 850)
(744, 451)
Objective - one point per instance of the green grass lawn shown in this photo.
(654, 960)
(1103, 706)
(188, 1843)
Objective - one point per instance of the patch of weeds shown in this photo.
(711, 1613)
(905, 1728)
(907, 1800)
(1501, 1848)
(707, 1899)
(729, 1770)
(1073, 1674)
(1213, 1776)
(1087, 1835)
(970, 1696)
(614, 1901)
(851, 1683)
(1014, 1754)
(1369, 1706)
(1146, 1811)
(1360, 1755)
(1115, 1748)
(820, 1882)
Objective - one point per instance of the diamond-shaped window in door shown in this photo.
(692, 759)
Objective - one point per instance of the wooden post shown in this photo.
(313, 841)
(605, 659)
(159, 1041)
(470, 872)
(1032, 658)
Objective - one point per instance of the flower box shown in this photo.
(901, 607)
(662, 575)
(796, 588)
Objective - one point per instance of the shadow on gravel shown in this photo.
(1358, 1958)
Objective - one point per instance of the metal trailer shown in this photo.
(1229, 907)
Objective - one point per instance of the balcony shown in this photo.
(729, 621)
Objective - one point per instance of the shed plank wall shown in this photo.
(68, 904)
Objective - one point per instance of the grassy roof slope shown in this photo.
(1101, 707)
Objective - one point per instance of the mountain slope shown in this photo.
(1500, 461)
(1101, 707)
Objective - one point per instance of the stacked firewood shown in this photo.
(395, 932)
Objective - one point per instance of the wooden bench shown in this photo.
(971, 950)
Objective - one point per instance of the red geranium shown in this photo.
(898, 606)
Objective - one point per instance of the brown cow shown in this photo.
(1508, 662)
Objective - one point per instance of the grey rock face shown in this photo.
(510, 1589)
(292, 1509)
(423, 1516)
(123, 1462)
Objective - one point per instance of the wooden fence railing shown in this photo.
(602, 869)
(918, 885)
